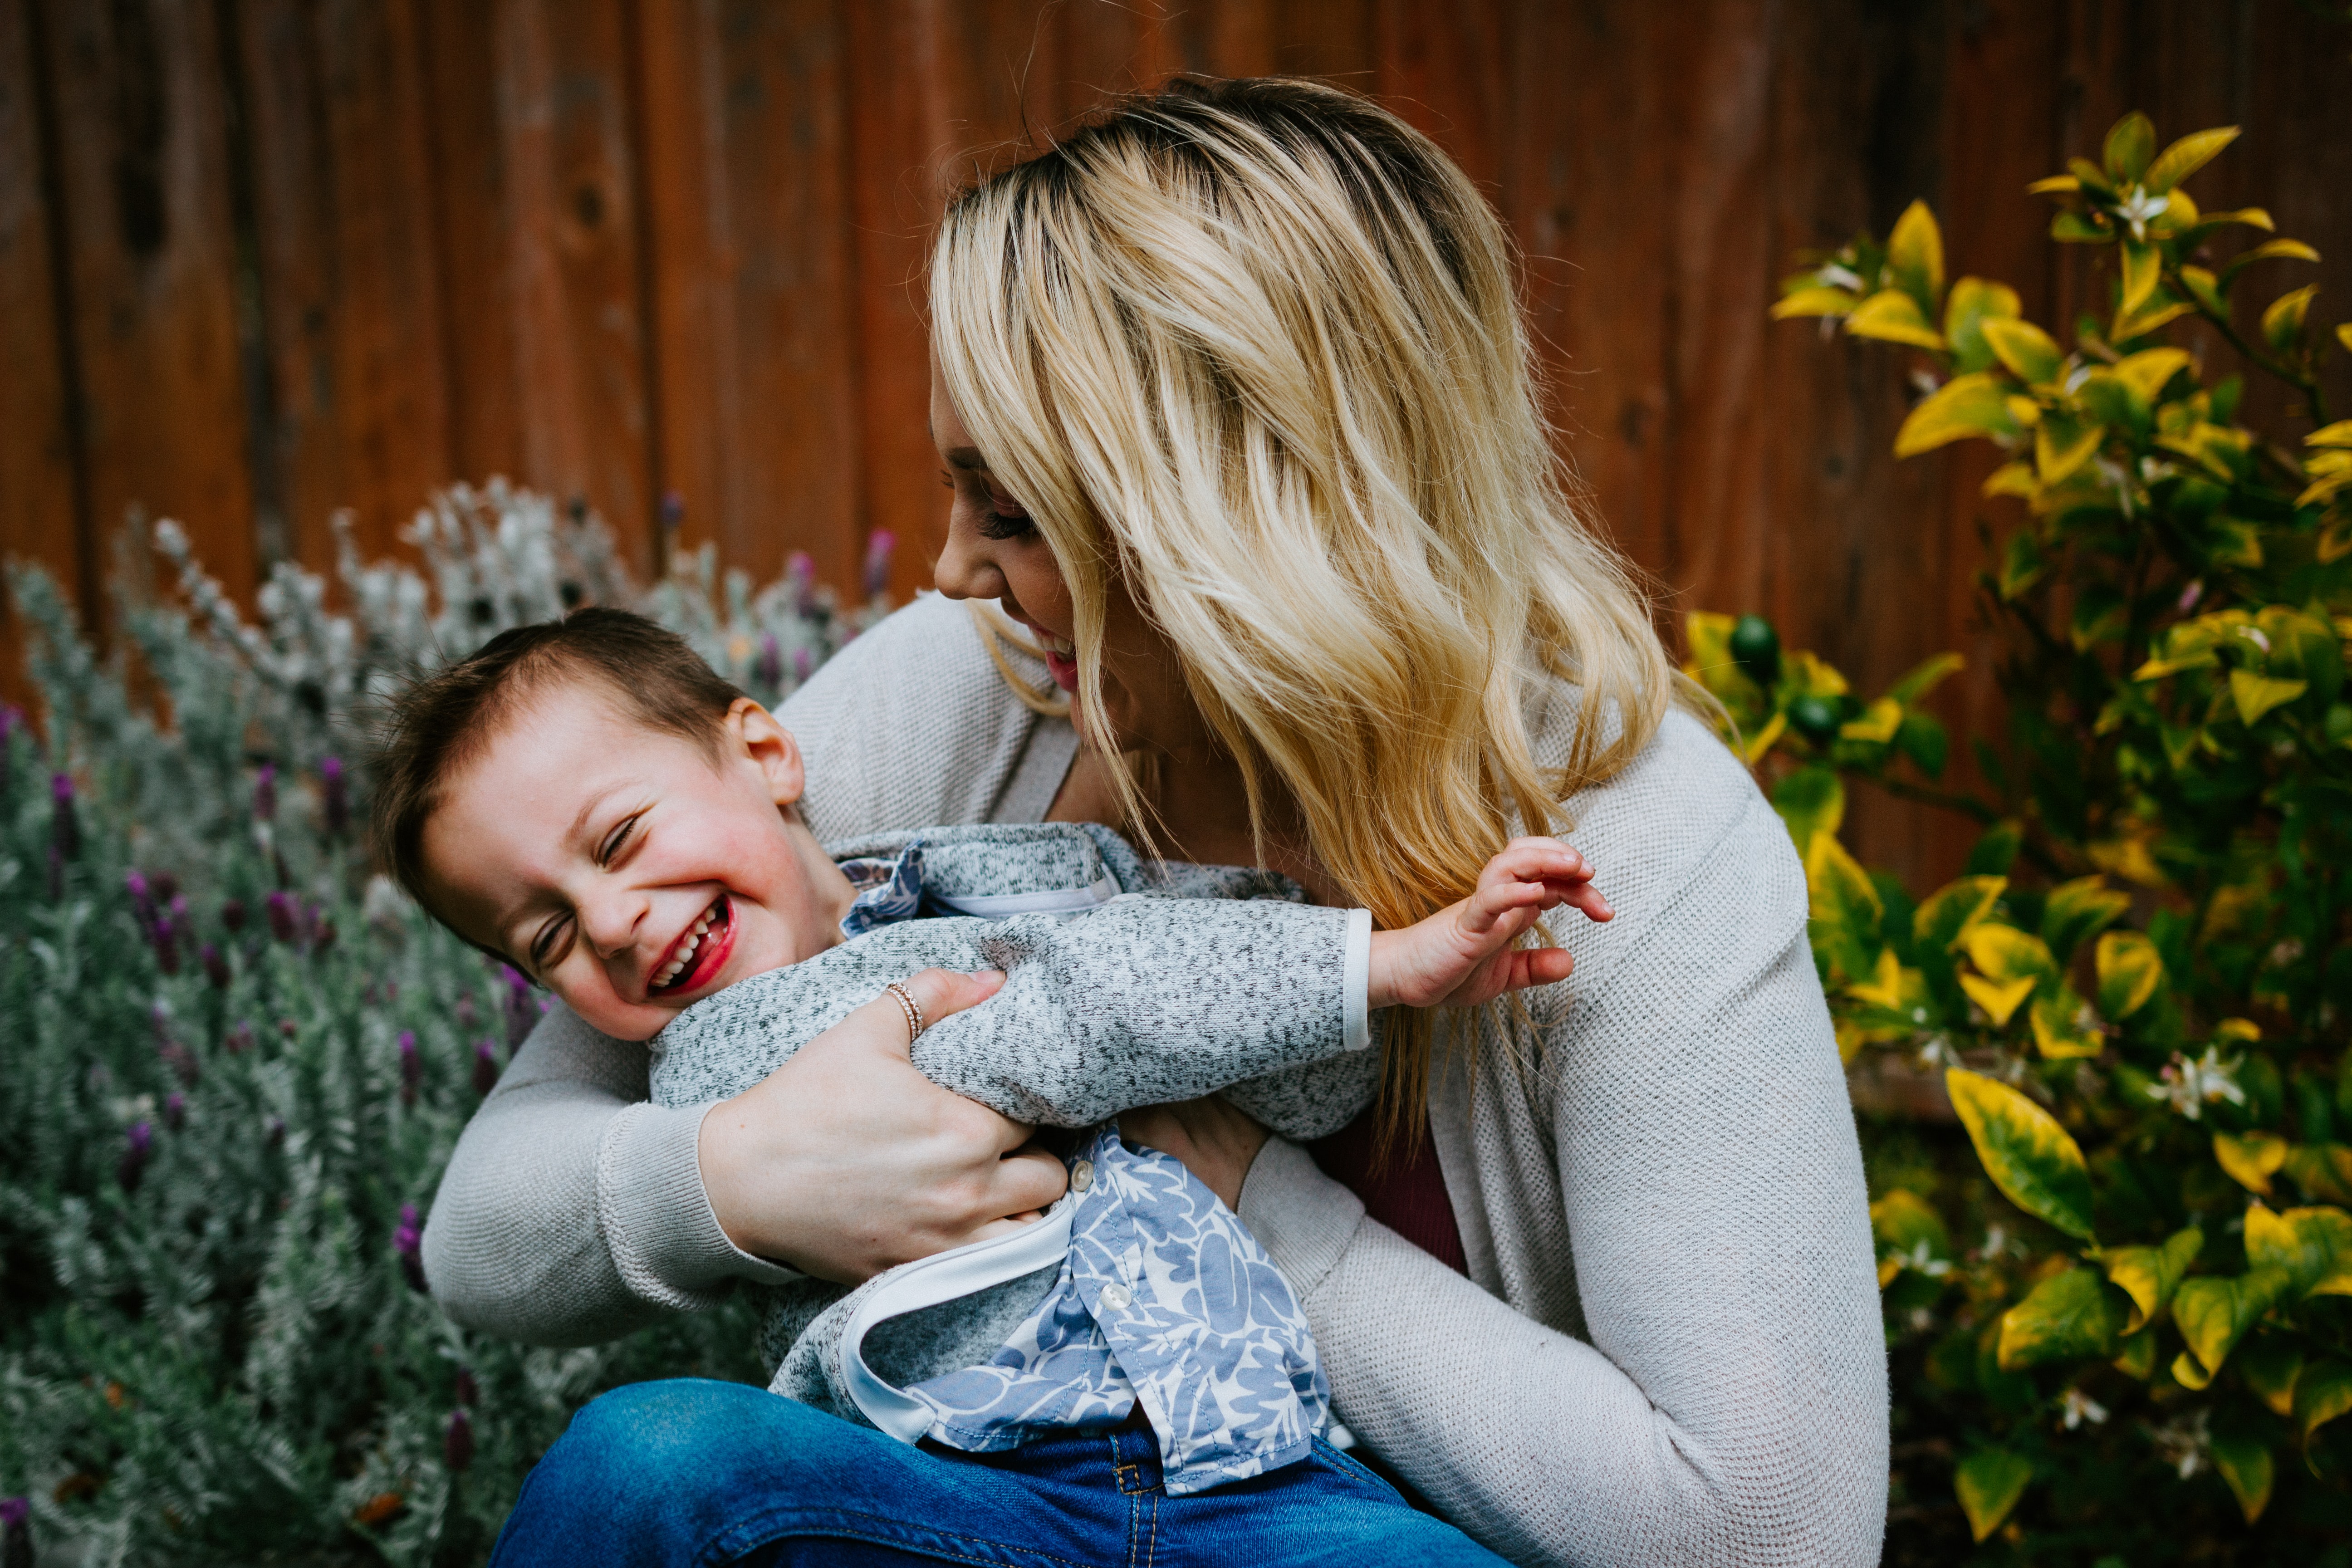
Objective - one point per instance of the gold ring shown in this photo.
(909, 1006)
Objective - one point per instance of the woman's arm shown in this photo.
(572, 1211)
(1730, 1405)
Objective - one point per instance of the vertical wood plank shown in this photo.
(572, 237)
(144, 165)
(41, 518)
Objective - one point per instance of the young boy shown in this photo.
(588, 801)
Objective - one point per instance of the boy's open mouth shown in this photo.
(693, 960)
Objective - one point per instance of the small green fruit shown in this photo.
(1756, 649)
(1817, 718)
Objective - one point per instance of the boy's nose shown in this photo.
(610, 924)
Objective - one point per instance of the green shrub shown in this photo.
(232, 1067)
(2120, 1330)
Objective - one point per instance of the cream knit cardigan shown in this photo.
(1669, 1349)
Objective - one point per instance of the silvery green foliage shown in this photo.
(231, 1065)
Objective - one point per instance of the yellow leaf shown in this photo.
(1974, 405)
(2312, 1247)
(1878, 721)
(1894, 317)
(2270, 1368)
(2061, 445)
(2143, 265)
(2013, 479)
(1914, 254)
(2004, 953)
(2130, 144)
(1989, 1482)
(2283, 322)
(1998, 1001)
(2032, 1159)
(1956, 909)
(2129, 969)
(2071, 1314)
(2187, 1373)
(2149, 1275)
(2030, 353)
(2321, 1395)
(2127, 856)
(1764, 740)
(2056, 185)
(2337, 435)
(2065, 1026)
(2144, 373)
(2256, 695)
(1814, 301)
(2250, 1161)
(2186, 156)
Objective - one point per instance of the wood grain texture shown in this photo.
(611, 248)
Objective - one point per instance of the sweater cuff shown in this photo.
(1356, 980)
(666, 1241)
(1301, 1217)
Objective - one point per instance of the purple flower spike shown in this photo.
(470, 1393)
(334, 795)
(175, 1111)
(233, 915)
(132, 1167)
(167, 890)
(486, 1067)
(412, 1068)
(467, 1014)
(264, 793)
(879, 545)
(520, 1011)
(458, 1441)
(408, 1242)
(136, 886)
(15, 1512)
(216, 966)
(768, 669)
(802, 573)
(279, 908)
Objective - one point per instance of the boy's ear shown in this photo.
(770, 747)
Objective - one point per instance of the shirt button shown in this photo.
(1115, 1296)
(1082, 1175)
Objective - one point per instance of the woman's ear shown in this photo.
(767, 745)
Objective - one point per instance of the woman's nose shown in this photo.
(962, 570)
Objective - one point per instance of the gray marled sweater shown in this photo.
(1143, 984)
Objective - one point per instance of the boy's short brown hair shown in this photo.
(444, 719)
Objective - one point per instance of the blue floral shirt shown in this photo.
(1164, 1299)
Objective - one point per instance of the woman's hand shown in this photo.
(1216, 1142)
(846, 1160)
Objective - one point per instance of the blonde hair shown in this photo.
(1255, 348)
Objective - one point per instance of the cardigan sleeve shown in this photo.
(571, 1210)
(1726, 1399)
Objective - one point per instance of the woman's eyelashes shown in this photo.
(1001, 526)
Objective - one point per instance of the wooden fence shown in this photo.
(260, 260)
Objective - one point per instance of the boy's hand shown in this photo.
(1462, 955)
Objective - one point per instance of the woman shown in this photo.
(1237, 405)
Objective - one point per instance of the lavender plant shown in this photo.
(233, 1063)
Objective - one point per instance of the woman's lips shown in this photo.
(1062, 668)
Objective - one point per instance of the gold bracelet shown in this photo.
(907, 1004)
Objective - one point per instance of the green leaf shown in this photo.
(1973, 303)
(2269, 1367)
(2061, 445)
(1989, 1482)
(2130, 144)
(2149, 1275)
(2028, 1156)
(2079, 229)
(2283, 322)
(2022, 564)
(2078, 911)
(1955, 908)
(2186, 156)
(1915, 255)
(2205, 288)
(2030, 353)
(1965, 406)
(2065, 1026)
(2245, 1465)
(2213, 1313)
(2321, 1395)
(1909, 1233)
(1922, 738)
(1894, 317)
(1877, 724)
(2146, 373)
(2066, 1317)
(1844, 905)
(2256, 695)
(1810, 800)
(2129, 969)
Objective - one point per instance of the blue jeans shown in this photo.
(695, 1472)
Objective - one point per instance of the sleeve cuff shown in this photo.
(1356, 980)
(1301, 1217)
(666, 1241)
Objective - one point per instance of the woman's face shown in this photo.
(995, 551)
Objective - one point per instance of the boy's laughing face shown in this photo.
(628, 869)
